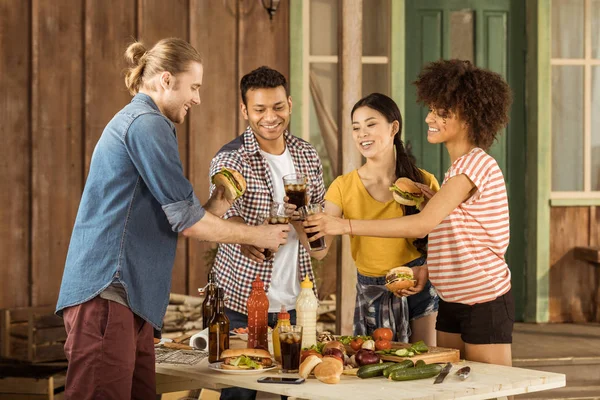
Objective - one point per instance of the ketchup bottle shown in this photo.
(258, 314)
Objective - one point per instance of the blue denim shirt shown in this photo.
(136, 200)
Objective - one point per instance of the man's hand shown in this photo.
(271, 236)
(253, 253)
(421, 275)
(218, 203)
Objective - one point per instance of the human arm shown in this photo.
(451, 195)
(214, 229)
(330, 209)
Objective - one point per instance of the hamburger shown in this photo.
(399, 278)
(233, 182)
(246, 359)
(407, 193)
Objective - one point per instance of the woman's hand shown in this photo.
(427, 194)
(421, 275)
(324, 224)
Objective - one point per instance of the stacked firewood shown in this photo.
(184, 313)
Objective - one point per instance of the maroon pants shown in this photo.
(110, 352)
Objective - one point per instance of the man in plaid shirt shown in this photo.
(264, 153)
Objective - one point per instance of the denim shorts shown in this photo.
(420, 305)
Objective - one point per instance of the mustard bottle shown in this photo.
(283, 319)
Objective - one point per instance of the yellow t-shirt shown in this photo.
(373, 256)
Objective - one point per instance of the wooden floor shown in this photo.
(571, 349)
(536, 341)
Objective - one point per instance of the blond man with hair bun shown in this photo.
(136, 202)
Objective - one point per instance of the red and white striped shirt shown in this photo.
(466, 250)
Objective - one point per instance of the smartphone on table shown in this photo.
(279, 379)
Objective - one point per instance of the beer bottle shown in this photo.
(218, 330)
(210, 300)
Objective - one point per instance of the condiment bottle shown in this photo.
(210, 299)
(306, 313)
(258, 316)
(283, 319)
(218, 330)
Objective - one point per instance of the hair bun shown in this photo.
(135, 52)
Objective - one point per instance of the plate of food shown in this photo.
(244, 362)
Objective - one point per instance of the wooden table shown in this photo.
(486, 382)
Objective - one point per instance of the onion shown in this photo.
(366, 357)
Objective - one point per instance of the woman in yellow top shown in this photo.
(364, 194)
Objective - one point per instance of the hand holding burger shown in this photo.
(407, 193)
(399, 278)
(232, 181)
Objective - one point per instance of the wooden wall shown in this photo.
(574, 284)
(61, 79)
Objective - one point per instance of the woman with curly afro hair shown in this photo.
(466, 220)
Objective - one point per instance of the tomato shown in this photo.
(383, 334)
(306, 353)
(356, 344)
(383, 344)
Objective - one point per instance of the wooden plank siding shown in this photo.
(574, 283)
(57, 139)
(263, 42)
(214, 123)
(15, 153)
(62, 81)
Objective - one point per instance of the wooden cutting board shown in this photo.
(433, 356)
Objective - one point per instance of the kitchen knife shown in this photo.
(442, 375)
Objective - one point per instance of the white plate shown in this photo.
(217, 367)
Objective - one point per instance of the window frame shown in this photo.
(587, 196)
(301, 60)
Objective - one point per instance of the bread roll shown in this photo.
(329, 370)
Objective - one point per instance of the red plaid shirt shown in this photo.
(234, 271)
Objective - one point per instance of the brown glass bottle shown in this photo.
(210, 299)
(218, 330)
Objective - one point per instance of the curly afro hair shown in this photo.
(480, 97)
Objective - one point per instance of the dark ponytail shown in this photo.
(406, 164)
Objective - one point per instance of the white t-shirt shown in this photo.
(285, 286)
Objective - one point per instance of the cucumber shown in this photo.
(401, 352)
(372, 370)
(401, 365)
(409, 374)
(420, 363)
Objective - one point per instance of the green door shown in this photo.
(490, 33)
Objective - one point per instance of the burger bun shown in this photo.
(400, 283)
(230, 192)
(408, 186)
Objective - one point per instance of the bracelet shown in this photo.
(350, 224)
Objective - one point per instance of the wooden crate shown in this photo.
(32, 382)
(32, 334)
